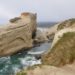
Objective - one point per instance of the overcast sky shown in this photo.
(47, 10)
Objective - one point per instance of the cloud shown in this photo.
(47, 10)
(5, 13)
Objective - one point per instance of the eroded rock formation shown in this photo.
(61, 53)
(45, 34)
(17, 34)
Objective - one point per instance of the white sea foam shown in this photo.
(29, 61)
(15, 69)
(42, 29)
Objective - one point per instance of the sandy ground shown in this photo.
(51, 70)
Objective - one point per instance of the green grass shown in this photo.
(66, 24)
(63, 51)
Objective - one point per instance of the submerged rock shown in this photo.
(63, 50)
(18, 34)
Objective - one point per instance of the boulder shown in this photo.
(63, 50)
(41, 35)
(17, 34)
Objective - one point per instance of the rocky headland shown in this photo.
(62, 49)
(17, 34)
(60, 58)
(22, 33)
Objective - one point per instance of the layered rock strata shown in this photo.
(17, 34)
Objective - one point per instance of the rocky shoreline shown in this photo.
(22, 33)
(59, 59)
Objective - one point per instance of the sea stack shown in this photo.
(18, 34)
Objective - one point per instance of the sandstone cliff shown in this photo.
(63, 51)
(17, 34)
(61, 25)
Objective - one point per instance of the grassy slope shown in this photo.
(67, 23)
(63, 51)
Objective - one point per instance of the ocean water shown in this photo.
(46, 24)
(11, 64)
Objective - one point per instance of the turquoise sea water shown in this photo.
(11, 64)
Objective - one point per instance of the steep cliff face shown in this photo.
(68, 24)
(63, 46)
(17, 34)
(63, 51)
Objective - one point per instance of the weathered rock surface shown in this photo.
(45, 34)
(63, 51)
(51, 31)
(65, 24)
(41, 35)
(17, 34)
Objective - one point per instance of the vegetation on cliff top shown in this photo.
(67, 23)
(63, 51)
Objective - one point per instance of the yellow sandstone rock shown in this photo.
(17, 34)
